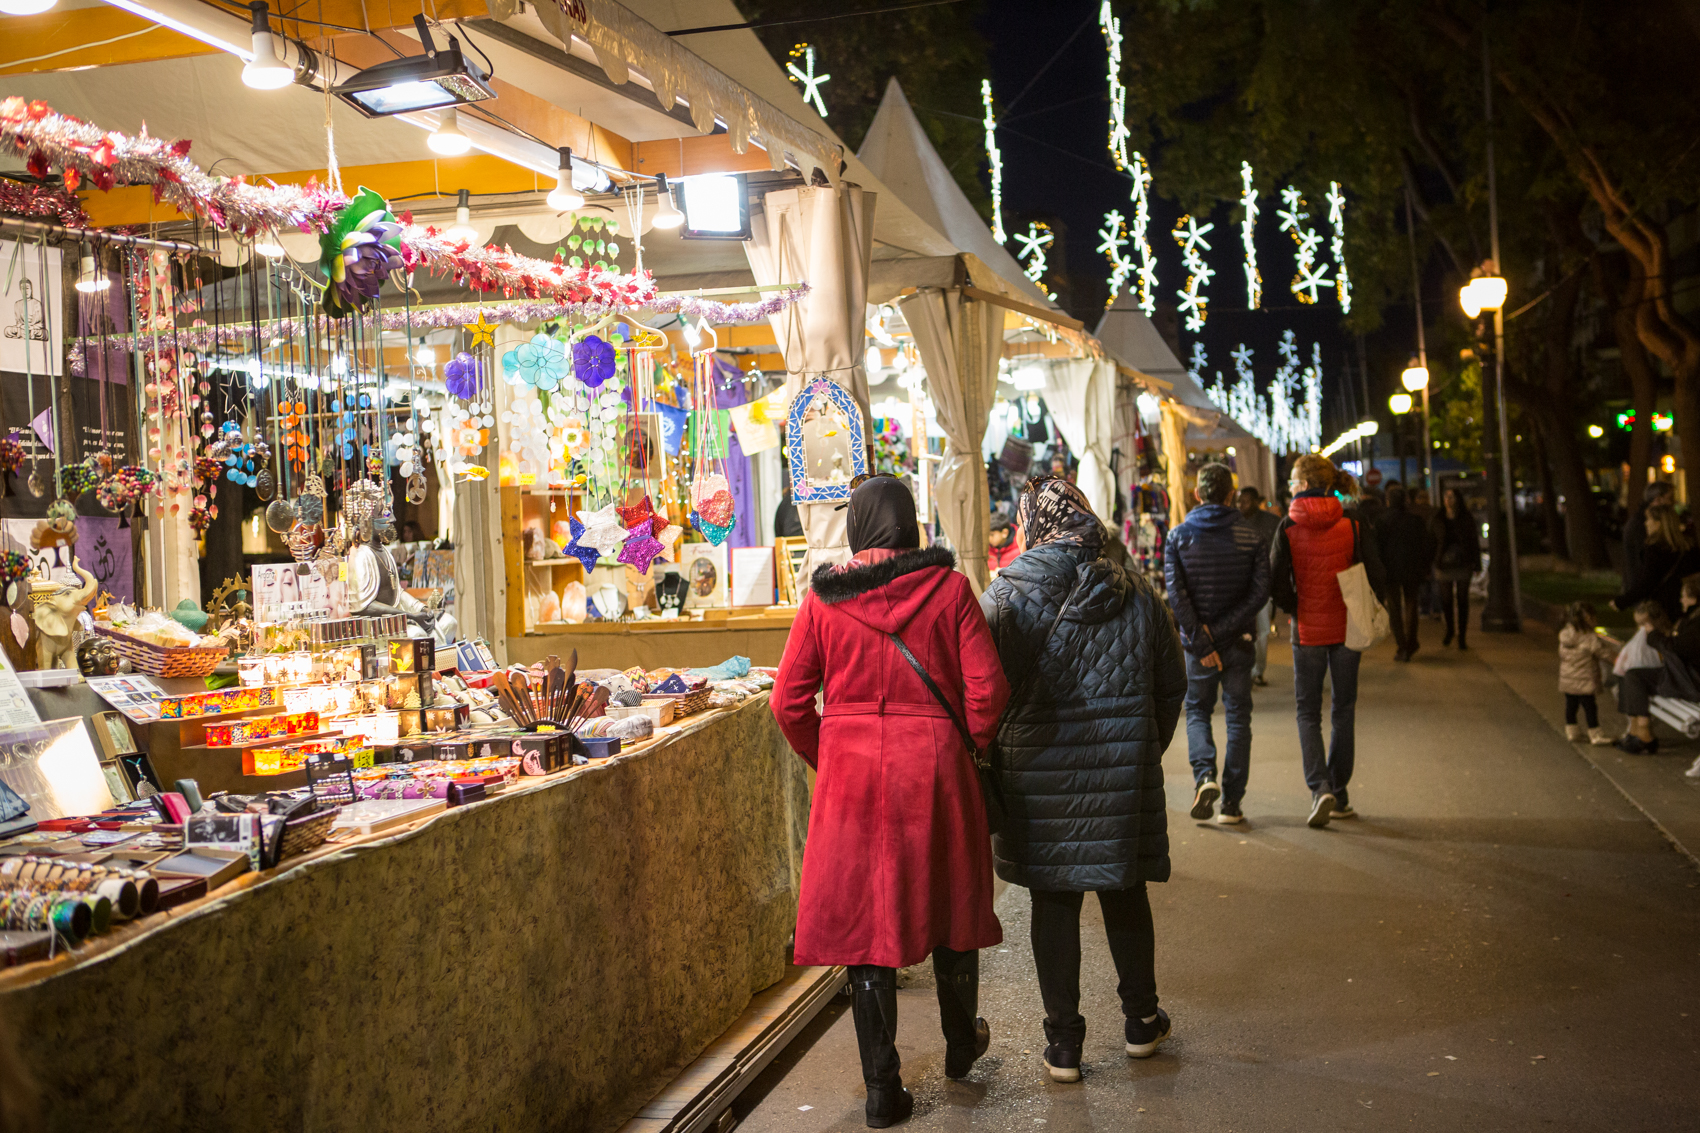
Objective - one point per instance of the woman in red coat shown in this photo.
(1313, 545)
(898, 863)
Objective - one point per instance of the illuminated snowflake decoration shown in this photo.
(1032, 250)
(1141, 224)
(1134, 163)
(1337, 245)
(1112, 29)
(1248, 230)
(1295, 219)
(1274, 419)
(1112, 241)
(995, 159)
(805, 76)
(1189, 234)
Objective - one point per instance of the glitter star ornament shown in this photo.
(602, 530)
(640, 512)
(642, 548)
(669, 537)
(483, 333)
(576, 550)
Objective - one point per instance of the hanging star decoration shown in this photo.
(1141, 223)
(483, 333)
(1248, 228)
(805, 76)
(1032, 249)
(1294, 219)
(642, 547)
(994, 158)
(577, 550)
(602, 530)
(635, 514)
(1113, 243)
(1189, 234)
(1337, 245)
(668, 535)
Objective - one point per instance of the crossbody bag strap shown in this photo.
(938, 693)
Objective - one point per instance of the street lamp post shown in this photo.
(1400, 403)
(1415, 377)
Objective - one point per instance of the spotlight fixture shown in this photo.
(266, 70)
(667, 214)
(462, 228)
(25, 7)
(565, 198)
(435, 79)
(90, 279)
(447, 140)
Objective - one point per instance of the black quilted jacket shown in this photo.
(1080, 752)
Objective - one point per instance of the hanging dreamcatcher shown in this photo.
(711, 492)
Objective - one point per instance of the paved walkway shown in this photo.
(1502, 942)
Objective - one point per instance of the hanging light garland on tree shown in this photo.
(1189, 234)
(1294, 219)
(1337, 245)
(805, 75)
(1134, 163)
(995, 158)
(1276, 422)
(1113, 243)
(1248, 231)
(1032, 249)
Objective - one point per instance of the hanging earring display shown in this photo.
(711, 491)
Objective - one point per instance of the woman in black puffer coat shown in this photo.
(1095, 701)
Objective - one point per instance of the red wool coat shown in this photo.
(898, 859)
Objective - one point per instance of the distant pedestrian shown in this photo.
(1407, 554)
(1264, 522)
(1635, 526)
(1457, 557)
(1641, 676)
(898, 865)
(1667, 557)
(1217, 570)
(1092, 655)
(1001, 544)
(1314, 544)
(1582, 655)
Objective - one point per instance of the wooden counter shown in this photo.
(655, 643)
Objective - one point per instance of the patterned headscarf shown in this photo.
(1055, 511)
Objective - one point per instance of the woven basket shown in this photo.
(302, 834)
(160, 661)
(686, 703)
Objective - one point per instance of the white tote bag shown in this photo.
(1366, 618)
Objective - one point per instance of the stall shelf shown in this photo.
(541, 959)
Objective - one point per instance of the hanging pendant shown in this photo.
(280, 515)
(416, 488)
(265, 487)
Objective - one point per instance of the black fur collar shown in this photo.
(832, 584)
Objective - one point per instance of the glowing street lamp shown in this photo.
(1415, 377)
(1400, 403)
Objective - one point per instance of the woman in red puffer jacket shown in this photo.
(1313, 545)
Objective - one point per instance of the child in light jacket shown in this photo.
(1581, 655)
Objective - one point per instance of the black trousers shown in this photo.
(1402, 600)
(1588, 704)
(1636, 689)
(1056, 954)
(1455, 594)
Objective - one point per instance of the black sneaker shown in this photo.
(1635, 745)
(1063, 1062)
(1230, 815)
(1144, 1038)
(1204, 802)
(1321, 807)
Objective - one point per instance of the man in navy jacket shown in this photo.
(1217, 568)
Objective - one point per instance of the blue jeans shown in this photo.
(1234, 678)
(1328, 772)
(1265, 618)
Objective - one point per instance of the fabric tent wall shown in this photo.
(1174, 459)
(1080, 394)
(960, 345)
(822, 236)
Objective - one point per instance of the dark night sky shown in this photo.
(1057, 167)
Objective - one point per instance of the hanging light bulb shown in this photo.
(89, 279)
(667, 214)
(266, 71)
(425, 356)
(565, 198)
(447, 138)
(25, 7)
(267, 245)
(462, 228)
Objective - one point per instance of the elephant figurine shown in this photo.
(56, 619)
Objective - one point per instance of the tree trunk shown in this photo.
(1551, 518)
(1643, 386)
(1564, 450)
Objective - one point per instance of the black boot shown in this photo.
(966, 1035)
(873, 1004)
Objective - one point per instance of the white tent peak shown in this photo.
(898, 152)
(1134, 339)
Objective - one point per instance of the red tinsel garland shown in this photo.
(18, 198)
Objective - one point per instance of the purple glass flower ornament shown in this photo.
(462, 375)
(593, 360)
